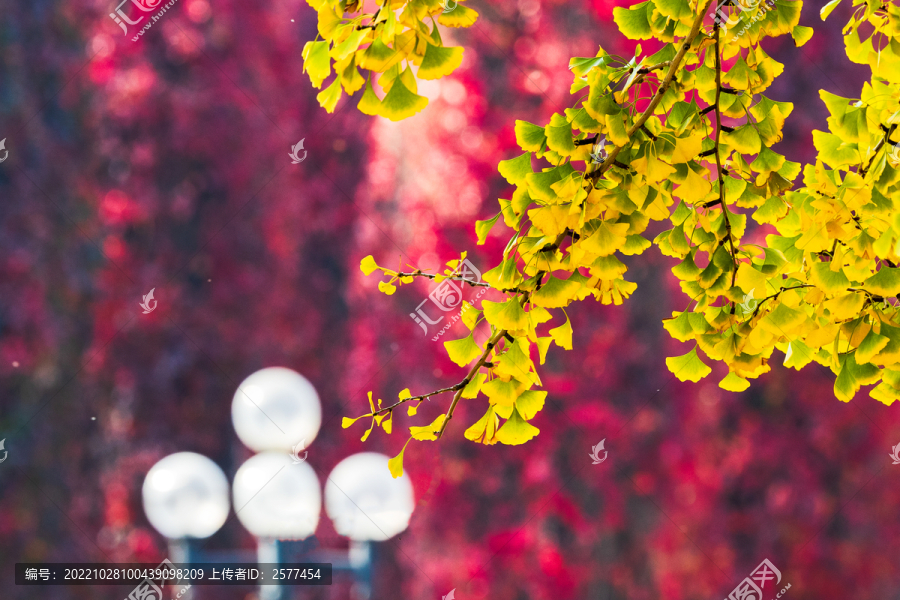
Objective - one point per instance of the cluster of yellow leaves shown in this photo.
(823, 288)
(390, 41)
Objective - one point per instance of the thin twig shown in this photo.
(452, 388)
(420, 273)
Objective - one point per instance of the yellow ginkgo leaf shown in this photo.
(688, 367)
(328, 98)
(395, 465)
(369, 104)
(516, 430)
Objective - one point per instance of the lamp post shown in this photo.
(185, 497)
(276, 494)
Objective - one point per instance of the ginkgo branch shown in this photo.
(420, 273)
(881, 144)
(778, 293)
(719, 177)
(663, 87)
(488, 348)
(419, 398)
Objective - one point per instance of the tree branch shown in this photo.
(667, 81)
(420, 273)
(719, 177)
(411, 398)
(778, 293)
(488, 348)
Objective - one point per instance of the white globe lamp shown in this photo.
(276, 497)
(276, 409)
(185, 495)
(364, 500)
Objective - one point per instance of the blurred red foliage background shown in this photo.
(163, 164)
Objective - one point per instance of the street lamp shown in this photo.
(185, 497)
(365, 502)
(275, 409)
(276, 499)
(277, 496)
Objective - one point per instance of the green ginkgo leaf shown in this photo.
(439, 61)
(556, 293)
(559, 135)
(507, 315)
(463, 351)
(679, 327)
(744, 139)
(379, 57)
(460, 16)
(634, 22)
(831, 282)
(529, 403)
(801, 34)
(529, 136)
(499, 392)
(871, 345)
(316, 62)
(349, 45)
(483, 228)
(400, 103)
(516, 169)
(885, 283)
